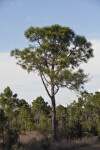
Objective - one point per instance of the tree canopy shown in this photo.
(55, 52)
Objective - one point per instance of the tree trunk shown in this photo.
(3, 136)
(52, 97)
(53, 113)
(21, 123)
(53, 118)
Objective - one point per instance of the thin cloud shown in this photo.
(13, 2)
(99, 90)
(92, 66)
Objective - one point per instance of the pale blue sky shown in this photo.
(83, 16)
(16, 16)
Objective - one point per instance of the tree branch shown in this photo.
(56, 90)
(44, 85)
(45, 78)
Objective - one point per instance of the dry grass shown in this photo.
(25, 138)
(75, 144)
(36, 141)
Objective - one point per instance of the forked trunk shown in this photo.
(52, 97)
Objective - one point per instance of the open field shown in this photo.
(36, 141)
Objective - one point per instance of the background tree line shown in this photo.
(78, 119)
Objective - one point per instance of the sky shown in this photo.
(16, 16)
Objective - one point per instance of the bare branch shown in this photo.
(44, 84)
(56, 90)
(45, 78)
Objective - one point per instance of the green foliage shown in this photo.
(74, 130)
(8, 102)
(80, 118)
(41, 112)
(40, 106)
(61, 116)
(11, 138)
(24, 117)
(2, 118)
(55, 52)
(22, 102)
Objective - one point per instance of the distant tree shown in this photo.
(91, 113)
(8, 102)
(83, 116)
(40, 110)
(61, 115)
(22, 102)
(23, 116)
(55, 52)
(3, 123)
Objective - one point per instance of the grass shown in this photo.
(25, 138)
(36, 141)
(75, 144)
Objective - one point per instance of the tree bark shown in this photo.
(52, 96)
(53, 119)
(53, 113)
(3, 138)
